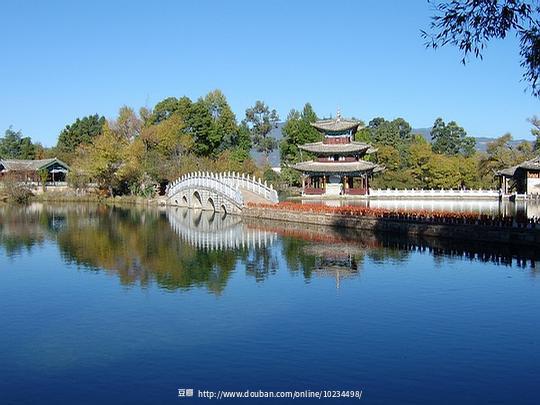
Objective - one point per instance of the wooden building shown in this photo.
(521, 179)
(338, 168)
(30, 170)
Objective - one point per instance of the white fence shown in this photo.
(412, 193)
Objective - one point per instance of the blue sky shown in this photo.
(63, 60)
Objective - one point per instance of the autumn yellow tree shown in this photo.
(103, 158)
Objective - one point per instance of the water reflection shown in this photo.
(181, 249)
(213, 231)
(339, 261)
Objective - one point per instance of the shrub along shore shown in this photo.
(441, 224)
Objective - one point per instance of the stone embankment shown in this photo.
(501, 231)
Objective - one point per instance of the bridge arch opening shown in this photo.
(223, 210)
(210, 204)
(197, 200)
(184, 201)
(197, 218)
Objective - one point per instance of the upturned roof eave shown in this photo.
(328, 148)
(336, 167)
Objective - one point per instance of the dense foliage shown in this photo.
(82, 131)
(297, 131)
(13, 145)
(260, 121)
(140, 152)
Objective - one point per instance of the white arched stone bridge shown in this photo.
(221, 192)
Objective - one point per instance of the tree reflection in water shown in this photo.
(182, 249)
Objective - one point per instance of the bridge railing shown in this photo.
(250, 183)
(207, 180)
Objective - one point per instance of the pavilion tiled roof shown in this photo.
(336, 167)
(532, 164)
(336, 125)
(22, 165)
(329, 148)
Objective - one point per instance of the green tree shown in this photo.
(200, 126)
(297, 130)
(501, 154)
(443, 172)
(165, 108)
(261, 120)
(535, 131)
(16, 146)
(382, 132)
(419, 156)
(239, 144)
(470, 25)
(451, 139)
(103, 159)
(82, 131)
(223, 127)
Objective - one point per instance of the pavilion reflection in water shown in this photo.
(339, 261)
(214, 231)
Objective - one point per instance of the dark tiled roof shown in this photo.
(20, 165)
(533, 164)
(335, 125)
(329, 148)
(335, 167)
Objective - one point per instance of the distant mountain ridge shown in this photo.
(481, 141)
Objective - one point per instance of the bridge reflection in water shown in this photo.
(214, 231)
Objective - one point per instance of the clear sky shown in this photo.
(63, 60)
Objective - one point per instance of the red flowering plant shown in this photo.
(420, 215)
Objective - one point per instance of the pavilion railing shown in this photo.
(314, 191)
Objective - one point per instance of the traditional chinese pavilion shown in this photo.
(338, 168)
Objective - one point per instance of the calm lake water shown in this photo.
(119, 305)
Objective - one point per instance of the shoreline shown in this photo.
(416, 228)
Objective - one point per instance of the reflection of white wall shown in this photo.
(491, 207)
(533, 186)
(533, 209)
(488, 207)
